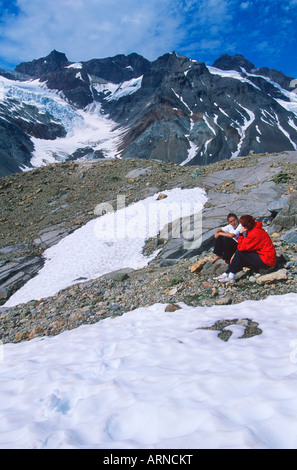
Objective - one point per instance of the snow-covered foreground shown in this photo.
(148, 379)
(152, 379)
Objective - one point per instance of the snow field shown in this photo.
(152, 379)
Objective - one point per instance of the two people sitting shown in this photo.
(253, 249)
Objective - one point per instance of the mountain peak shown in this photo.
(57, 56)
(170, 109)
(235, 62)
(118, 68)
(52, 62)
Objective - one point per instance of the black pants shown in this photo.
(250, 259)
(225, 247)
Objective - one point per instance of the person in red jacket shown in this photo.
(255, 249)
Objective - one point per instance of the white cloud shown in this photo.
(209, 27)
(245, 5)
(214, 11)
(91, 28)
(200, 29)
(86, 29)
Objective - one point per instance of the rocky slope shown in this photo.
(172, 109)
(40, 207)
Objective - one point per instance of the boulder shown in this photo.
(172, 308)
(137, 172)
(4, 294)
(275, 276)
(15, 273)
(290, 236)
(225, 300)
(276, 206)
(120, 274)
(52, 235)
(120, 277)
(198, 266)
(18, 248)
(287, 216)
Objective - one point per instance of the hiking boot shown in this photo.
(221, 276)
(226, 280)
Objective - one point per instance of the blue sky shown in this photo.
(264, 31)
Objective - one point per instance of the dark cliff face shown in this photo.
(75, 85)
(59, 74)
(239, 63)
(235, 62)
(14, 142)
(45, 65)
(117, 69)
(188, 113)
(180, 111)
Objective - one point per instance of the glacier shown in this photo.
(84, 128)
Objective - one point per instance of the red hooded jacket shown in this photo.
(259, 241)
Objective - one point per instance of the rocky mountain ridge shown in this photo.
(173, 109)
(40, 207)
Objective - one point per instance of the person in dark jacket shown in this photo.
(226, 239)
(255, 249)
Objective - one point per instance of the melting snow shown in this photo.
(182, 101)
(242, 129)
(108, 243)
(231, 74)
(76, 65)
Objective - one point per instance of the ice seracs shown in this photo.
(84, 127)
